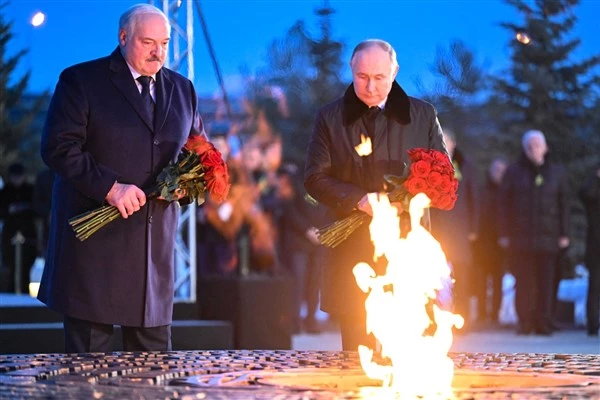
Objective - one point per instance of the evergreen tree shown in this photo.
(460, 93)
(18, 112)
(544, 88)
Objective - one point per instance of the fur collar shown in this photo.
(397, 106)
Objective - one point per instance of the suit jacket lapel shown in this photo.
(123, 81)
(164, 91)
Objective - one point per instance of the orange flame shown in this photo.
(364, 148)
(416, 268)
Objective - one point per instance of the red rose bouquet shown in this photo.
(431, 172)
(199, 168)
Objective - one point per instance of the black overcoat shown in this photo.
(336, 176)
(98, 132)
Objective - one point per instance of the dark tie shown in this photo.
(370, 117)
(146, 97)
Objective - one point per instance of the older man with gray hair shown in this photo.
(374, 106)
(533, 224)
(113, 124)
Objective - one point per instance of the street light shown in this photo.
(38, 19)
(523, 37)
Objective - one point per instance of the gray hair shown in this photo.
(527, 136)
(131, 17)
(382, 44)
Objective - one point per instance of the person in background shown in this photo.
(456, 229)
(219, 224)
(589, 195)
(374, 106)
(113, 124)
(16, 211)
(533, 223)
(488, 255)
(299, 246)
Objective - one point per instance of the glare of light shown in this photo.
(34, 287)
(178, 3)
(523, 38)
(38, 19)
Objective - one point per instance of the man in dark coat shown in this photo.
(339, 178)
(456, 229)
(590, 197)
(533, 221)
(488, 255)
(113, 124)
(299, 247)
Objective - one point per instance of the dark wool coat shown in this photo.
(534, 216)
(589, 195)
(336, 176)
(97, 132)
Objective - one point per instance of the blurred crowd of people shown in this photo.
(517, 221)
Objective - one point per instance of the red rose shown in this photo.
(415, 185)
(446, 202)
(434, 178)
(445, 185)
(420, 169)
(454, 185)
(198, 144)
(441, 157)
(418, 154)
(415, 154)
(434, 196)
(217, 179)
(211, 158)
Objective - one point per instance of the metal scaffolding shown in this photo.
(181, 59)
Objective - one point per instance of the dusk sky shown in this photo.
(80, 30)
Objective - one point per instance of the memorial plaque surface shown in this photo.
(238, 374)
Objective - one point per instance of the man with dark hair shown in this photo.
(374, 106)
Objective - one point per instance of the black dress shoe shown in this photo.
(592, 332)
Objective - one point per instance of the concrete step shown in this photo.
(48, 337)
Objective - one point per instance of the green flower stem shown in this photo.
(78, 223)
(87, 215)
(85, 235)
(335, 233)
(98, 222)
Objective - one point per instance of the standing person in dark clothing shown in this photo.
(488, 255)
(299, 246)
(340, 179)
(113, 124)
(533, 224)
(590, 197)
(16, 209)
(456, 229)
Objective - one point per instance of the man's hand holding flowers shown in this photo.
(199, 168)
(431, 172)
(127, 198)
